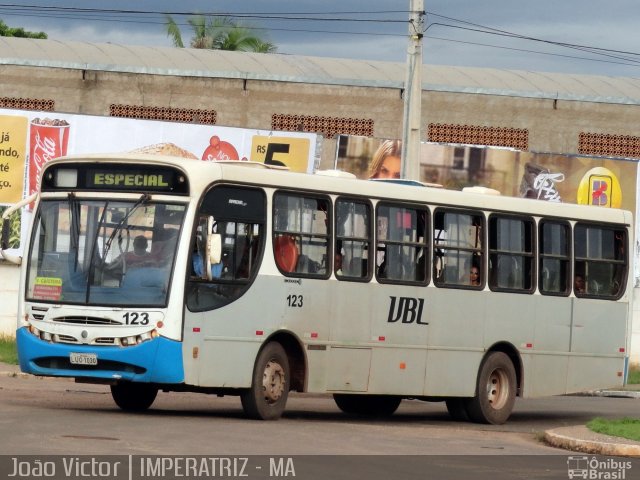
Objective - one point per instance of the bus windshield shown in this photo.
(103, 252)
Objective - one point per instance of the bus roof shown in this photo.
(203, 173)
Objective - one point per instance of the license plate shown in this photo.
(83, 358)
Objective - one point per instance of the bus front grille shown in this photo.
(81, 320)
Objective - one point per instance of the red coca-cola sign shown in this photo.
(48, 140)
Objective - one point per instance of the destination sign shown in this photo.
(115, 177)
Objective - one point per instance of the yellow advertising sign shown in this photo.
(292, 152)
(13, 145)
(600, 187)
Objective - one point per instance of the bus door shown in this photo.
(227, 246)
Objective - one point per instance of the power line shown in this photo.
(592, 50)
(486, 29)
(530, 51)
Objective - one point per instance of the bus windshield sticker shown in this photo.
(47, 288)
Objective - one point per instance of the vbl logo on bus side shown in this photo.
(408, 310)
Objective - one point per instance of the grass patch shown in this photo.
(8, 351)
(622, 427)
(634, 375)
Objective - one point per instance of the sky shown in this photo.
(598, 37)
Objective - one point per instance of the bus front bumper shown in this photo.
(155, 361)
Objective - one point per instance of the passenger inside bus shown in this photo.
(578, 284)
(474, 276)
(137, 258)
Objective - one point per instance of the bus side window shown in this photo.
(511, 253)
(601, 259)
(554, 276)
(458, 247)
(402, 233)
(240, 226)
(301, 234)
(352, 239)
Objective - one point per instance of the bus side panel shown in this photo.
(545, 363)
(452, 372)
(455, 341)
(552, 325)
(599, 326)
(228, 363)
(510, 317)
(592, 372)
(399, 371)
(598, 345)
(544, 373)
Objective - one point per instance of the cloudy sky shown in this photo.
(569, 36)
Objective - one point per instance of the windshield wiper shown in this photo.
(145, 198)
(74, 229)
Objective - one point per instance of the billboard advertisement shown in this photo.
(585, 180)
(29, 139)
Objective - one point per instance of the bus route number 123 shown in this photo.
(294, 301)
(136, 318)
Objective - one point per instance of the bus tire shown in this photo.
(495, 391)
(133, 397)
(456, 406)
(368, 405)
(267, 397)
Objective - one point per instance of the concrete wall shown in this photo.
(10, 279)
(553, 125)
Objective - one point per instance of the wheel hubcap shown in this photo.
(498, 389)
(273, 381)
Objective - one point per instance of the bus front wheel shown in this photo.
(369, 405)
(267, 397)
(133, 397)
(495, 390)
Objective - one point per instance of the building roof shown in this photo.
(189, 62)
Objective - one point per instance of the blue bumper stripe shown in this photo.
(155, 361)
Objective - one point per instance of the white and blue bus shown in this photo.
(151, 273)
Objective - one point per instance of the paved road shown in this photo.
(56, 416)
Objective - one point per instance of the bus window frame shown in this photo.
(328, 235)
(482, 251)
(369, 239)
(531, 255)
(425, 244)
(242, 284)
(568, 258)
(586, 260)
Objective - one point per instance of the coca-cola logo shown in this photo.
(48, 141)
(44, 149)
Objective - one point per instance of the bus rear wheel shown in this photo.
(369, 405)
(495, 390)
(267, 397)
(133, 397)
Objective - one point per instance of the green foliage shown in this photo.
(6, 31)
(14, 231)
(220, 33)
(634, 375)
(8, 350)
(623, 427)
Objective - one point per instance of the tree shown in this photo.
(219, 33)
(6, 31)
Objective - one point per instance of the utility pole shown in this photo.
(410, 165)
